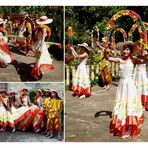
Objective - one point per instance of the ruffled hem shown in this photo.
(8, 123)
(27, 122)
(38, 122)
(36, 71)
(22, 117)
(144, 99)
(132, 123)
(81, 91)
(5, 52)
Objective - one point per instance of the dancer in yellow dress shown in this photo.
(47, 97)
(54, 116)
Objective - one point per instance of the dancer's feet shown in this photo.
(107, 87)
(83, 96)
(13, 130)
(74, 94)
(59, 137)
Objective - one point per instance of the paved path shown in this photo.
(88, 119)
(24, 137)
(20, 69)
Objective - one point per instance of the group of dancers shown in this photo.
(34, 41)
(132, 90)
(41, 115)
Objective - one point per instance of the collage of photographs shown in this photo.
(73, 74)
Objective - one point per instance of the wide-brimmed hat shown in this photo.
(12, 91)
(39, 90)
(47, 90)
(25, 89)
(121, 45)
(53, 90)
(44, 20)
(2, 21)
(85, 45)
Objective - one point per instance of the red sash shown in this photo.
(5, 106)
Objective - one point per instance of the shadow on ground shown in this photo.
(24, 70)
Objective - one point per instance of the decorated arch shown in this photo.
(123, 32)
(138, 23)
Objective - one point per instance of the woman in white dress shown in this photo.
(34, 119)
(81, 84)
(6, 120)
(5, 55)
(127, 115)
(43, 59)
(38, 123)
(18, 113)
(141, 79)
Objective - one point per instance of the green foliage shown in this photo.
(32, 95)
(83, 19)
(54, 12)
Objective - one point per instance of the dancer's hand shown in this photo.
(70, 46)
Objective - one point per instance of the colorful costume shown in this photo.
(38, 120)
(127, 113)
(29, 36)
(5, 55)
(54, 118)
(6, 119)
(105, 73)
(9, 29)
(46, 110)
(19, 114)
(81, 83)
(141, 79)
(43, 59)
(34, 118)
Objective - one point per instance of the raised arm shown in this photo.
(140, 61)
(75, 54)
(112, 59)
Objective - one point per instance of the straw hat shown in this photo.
(39, 90)
(44, 20)
(121, 45)
(85, 45)
(25, 89)
(12, 91)
(47, 90)
(2, 21)
(53, 90)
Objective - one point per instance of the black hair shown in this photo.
(56, 96)
(128, 46)
(49, 95)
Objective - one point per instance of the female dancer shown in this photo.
(38, 98)
(5, 55)
(81, 83)
(6, 120)
(14, 104)
(18, 113)
(47, 98)
(54, 117)
(43, 59)
(38, 120)
(34, 119)
(141, 79)
(127, 114)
